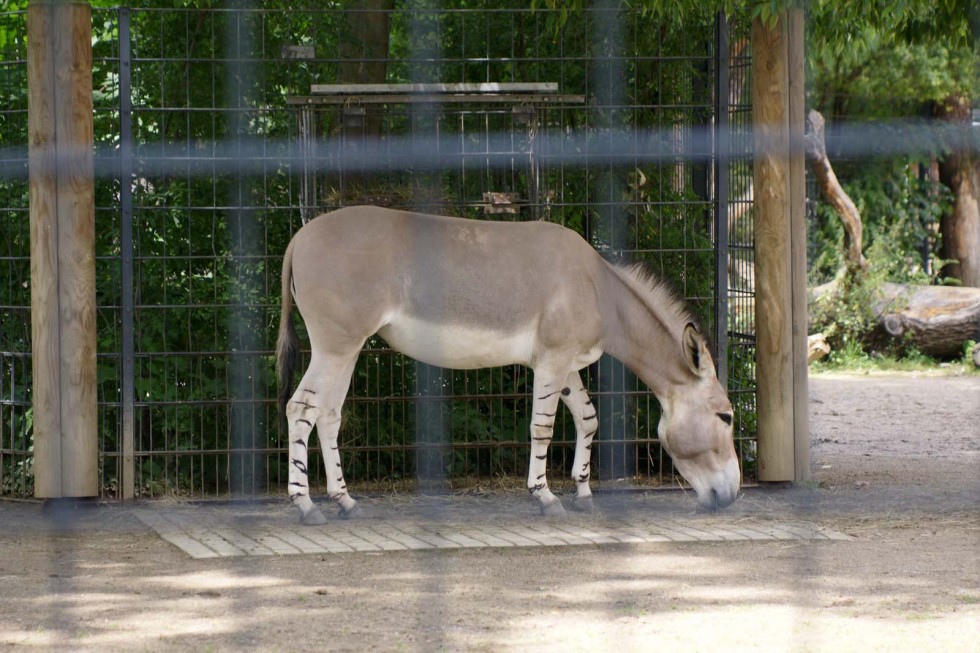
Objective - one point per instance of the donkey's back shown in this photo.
(447, 291)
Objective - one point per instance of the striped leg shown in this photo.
(586, 425)
(302, 412)
(327, 428)
(547, 391)
(318, 401)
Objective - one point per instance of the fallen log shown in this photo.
(816, 347)
(936, 320)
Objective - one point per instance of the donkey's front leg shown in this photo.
(548, 389)
(586, 425)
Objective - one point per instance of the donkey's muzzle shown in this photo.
(715, 500)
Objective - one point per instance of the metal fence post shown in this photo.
(127, 486)
(722, 150)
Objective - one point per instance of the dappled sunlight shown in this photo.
(137, 592)
(637, 630)
(637, 598)
(783, 628)
(215, 579)
(214, 603)
(746, 595)
(35, 638)
(92, 619)
(695, 597)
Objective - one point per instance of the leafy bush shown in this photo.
(900, 211)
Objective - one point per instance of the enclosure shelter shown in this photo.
(472, 115)
(218, 132)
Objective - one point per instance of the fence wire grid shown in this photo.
(219, 132)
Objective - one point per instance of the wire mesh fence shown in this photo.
(219, 132)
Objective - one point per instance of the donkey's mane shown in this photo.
(659, 296)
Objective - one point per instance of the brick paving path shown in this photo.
(204, 532)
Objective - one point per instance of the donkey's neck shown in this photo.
(643, 323)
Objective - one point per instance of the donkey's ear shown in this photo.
(696, 352)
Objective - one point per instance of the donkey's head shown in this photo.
(696, 427)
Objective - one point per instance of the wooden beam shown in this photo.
(798, 239)
(43, 198)
(62, 213)
(780, 268)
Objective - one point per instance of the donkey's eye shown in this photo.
(725, 417)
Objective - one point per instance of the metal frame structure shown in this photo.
(219, 133)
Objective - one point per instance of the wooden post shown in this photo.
(798, 240)
(62, 214)
(780, 248)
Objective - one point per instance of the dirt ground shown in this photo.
(896, 465)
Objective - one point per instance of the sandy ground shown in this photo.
(896, 463)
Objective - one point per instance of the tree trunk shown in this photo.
(364, 60)
(364, 54)
(816, 152)
(960, 171)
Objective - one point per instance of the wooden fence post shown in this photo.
(780, 248)
(62, 214)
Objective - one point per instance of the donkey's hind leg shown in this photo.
(547, 390)
(302, 412)
(327, 429)
(317, 401)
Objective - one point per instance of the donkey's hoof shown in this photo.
(313, 518)
(350, 513)
(583, 504)
(553, 509)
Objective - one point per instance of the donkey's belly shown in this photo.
(457, 346)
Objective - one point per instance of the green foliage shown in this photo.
(878, 76)
(884, 60)
(900, 211)
(846, 315)
(857, 359)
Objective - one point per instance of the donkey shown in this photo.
(467, 294)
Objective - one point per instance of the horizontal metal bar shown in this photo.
(434, 98)
(355, 399)
(434, 88)
(250, 156)
(414, 446)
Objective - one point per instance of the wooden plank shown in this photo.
(42, 168)
(798, 240)
(387, 89)
(62, 249)
(774, 341)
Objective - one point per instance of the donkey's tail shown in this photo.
(287, 347)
